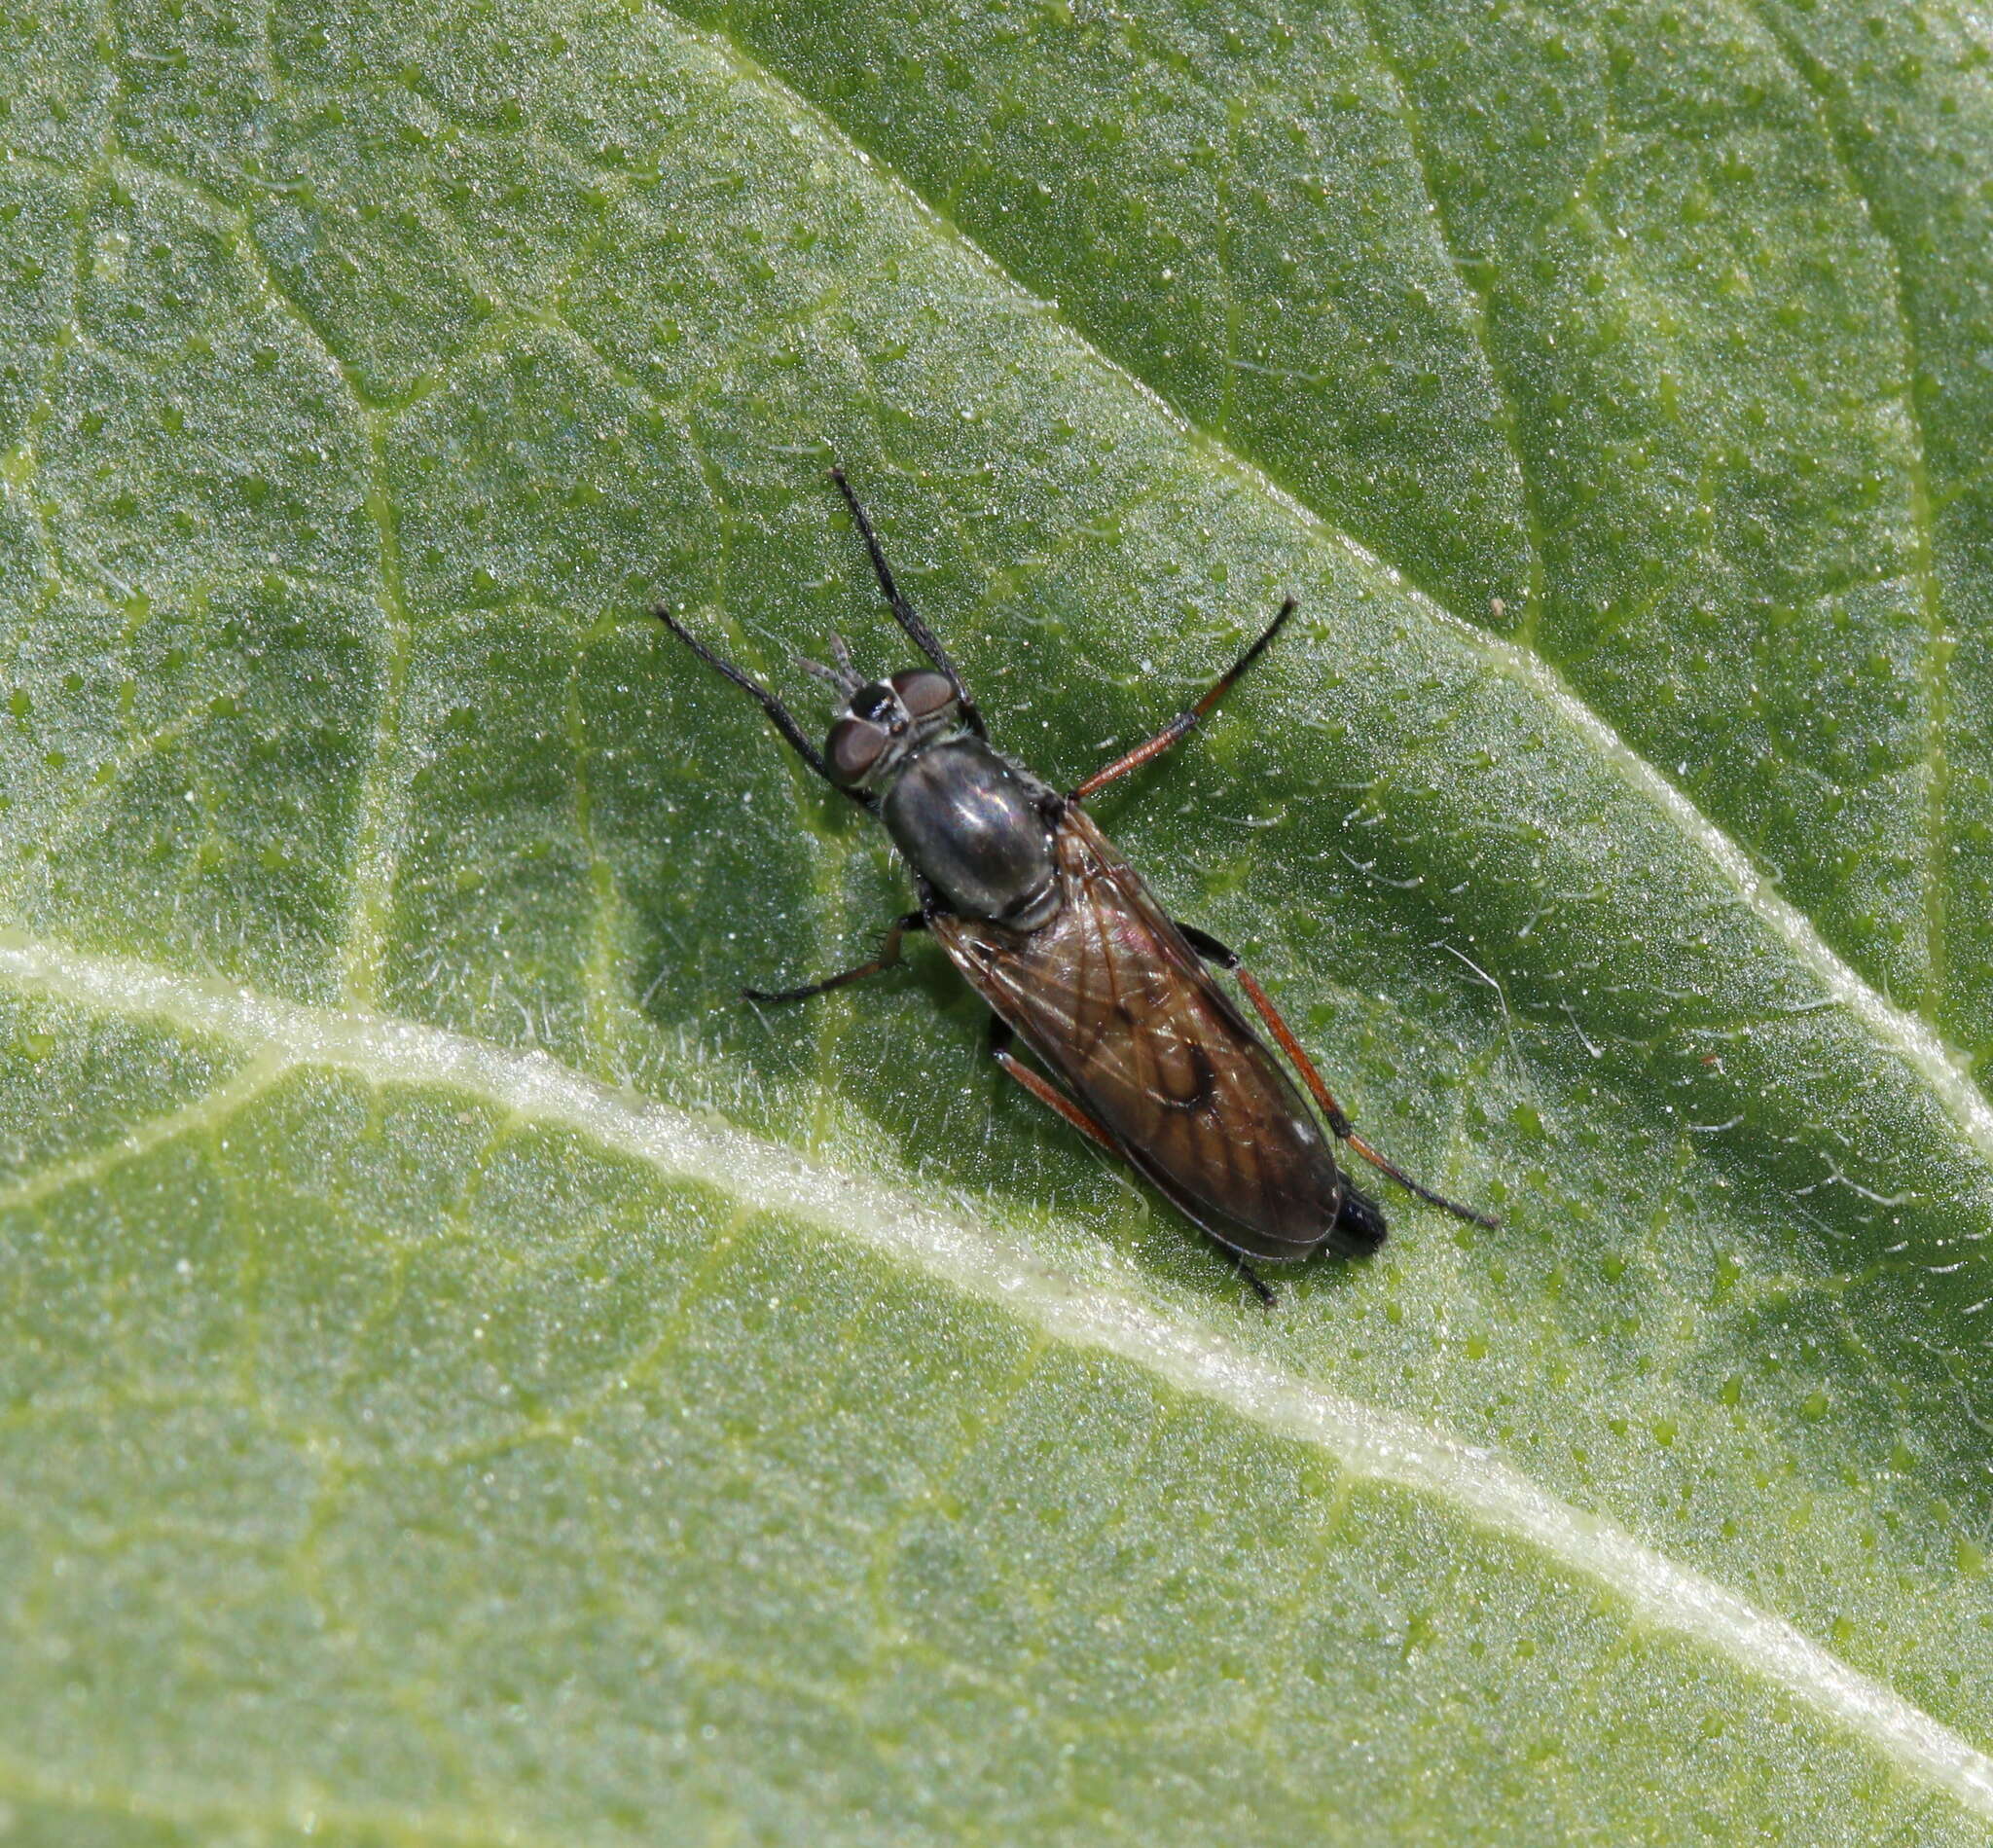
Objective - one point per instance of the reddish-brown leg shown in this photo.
(1185, 722)
(1046, 1091)
(1207, 945)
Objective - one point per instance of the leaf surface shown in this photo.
(468, 1379)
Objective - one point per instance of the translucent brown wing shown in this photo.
(1127, 1017)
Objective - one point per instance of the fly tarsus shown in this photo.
(1268, 1296)
(780, 715)
(887, 957)
(1485, 1219)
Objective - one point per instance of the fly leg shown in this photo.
(1209, 947)
(1260, 1287)
(887, 957)
(1043, 1089)
(1046, 1091)
(780, 715)
(1185, 722)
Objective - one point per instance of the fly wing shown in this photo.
(1125, 1013)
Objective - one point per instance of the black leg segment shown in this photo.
(889, 955)
(1208, 946)
(1185, 722)
(783, 720)
(1260, 1287)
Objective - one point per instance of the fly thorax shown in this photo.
(976, 829)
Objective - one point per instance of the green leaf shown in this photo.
(468, 1379)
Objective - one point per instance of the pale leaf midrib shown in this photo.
(1367, 1440)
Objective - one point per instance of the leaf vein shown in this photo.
(204, 1113)
(1817, 84)
(1370, 1441)
(1477, 319)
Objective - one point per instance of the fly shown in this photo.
(1147, 1054)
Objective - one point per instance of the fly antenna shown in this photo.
(783, 720)
(845, 677)
(846, 684)
(904, 611)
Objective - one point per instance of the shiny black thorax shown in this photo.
(977, 830)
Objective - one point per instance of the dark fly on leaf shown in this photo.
(1148, 1055)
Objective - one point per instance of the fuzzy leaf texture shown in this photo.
(467, 1379)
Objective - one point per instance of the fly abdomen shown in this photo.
(1359, 1226)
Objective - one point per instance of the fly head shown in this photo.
(886, 722)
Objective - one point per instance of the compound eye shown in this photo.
(922, 691)
(854, 747)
